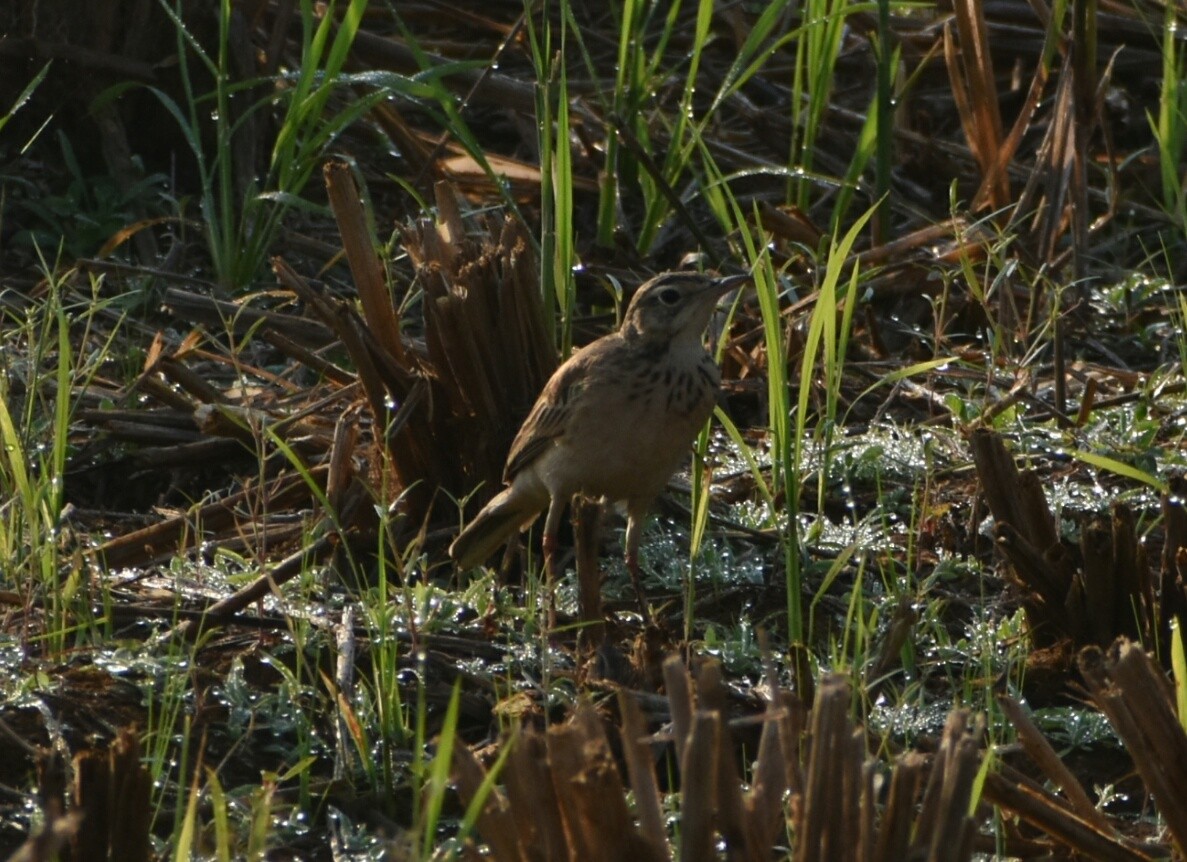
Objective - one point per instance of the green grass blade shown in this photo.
(1120, 468)
(1179, 670)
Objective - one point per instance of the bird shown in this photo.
(613, 422)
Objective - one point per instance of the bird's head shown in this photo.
(676, 305)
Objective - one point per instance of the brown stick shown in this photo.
(364, 263)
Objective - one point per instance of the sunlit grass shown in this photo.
(52, 350)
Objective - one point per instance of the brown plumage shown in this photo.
(614, 421)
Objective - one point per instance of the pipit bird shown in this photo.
(614, 421)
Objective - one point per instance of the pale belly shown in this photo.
(634, 442)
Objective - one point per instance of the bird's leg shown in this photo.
(634, 530)
(632, 566)
(548, 545)
(552, 523)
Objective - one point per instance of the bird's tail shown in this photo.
(494, 525)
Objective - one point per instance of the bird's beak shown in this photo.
(726, 283)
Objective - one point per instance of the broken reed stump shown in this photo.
(813, 793)
(1135, 695)
(486, 333)
(1086, 594)
(565, 797)
(112, 790)
(445, 407)
(1027, 535)
(1071, 819)
(110, 813)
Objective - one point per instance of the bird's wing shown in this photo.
(550, 414)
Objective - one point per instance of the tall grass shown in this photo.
(619, 170)
(1170, 126)
(678, 150)
(47, 352)
(241, 224)
(816, 55)
(641, 165)
(556, 171)
(822, 360)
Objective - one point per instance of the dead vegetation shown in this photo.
(351, 399)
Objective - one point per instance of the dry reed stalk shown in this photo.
(1133, 692)
(970, 69)
(112, 789)
(1088, 594)
(565, 799)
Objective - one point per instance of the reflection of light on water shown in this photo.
(908, 720)
(827, 535)
(881, 450)
(1075, 727)
(664, 558)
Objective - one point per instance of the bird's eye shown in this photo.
(669, 296)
